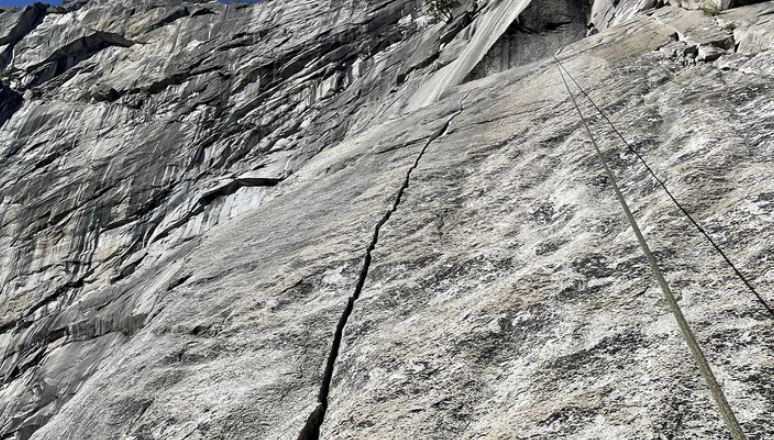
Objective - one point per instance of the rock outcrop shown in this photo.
(335, 220)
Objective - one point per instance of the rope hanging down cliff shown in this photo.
(661, 183)
(717, 393)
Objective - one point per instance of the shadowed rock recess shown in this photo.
(333, 219)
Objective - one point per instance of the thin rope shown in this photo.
(717, 393)
(674, 200)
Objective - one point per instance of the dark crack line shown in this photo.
(311, 429)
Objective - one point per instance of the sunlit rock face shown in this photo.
(336, 220)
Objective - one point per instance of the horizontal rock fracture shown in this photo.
(679, 205)
(311, 428)
(716, 391)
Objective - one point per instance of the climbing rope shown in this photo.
(674, 200)
(717, 393)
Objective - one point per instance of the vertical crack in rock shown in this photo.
(311, 429)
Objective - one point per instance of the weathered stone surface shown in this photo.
(542, 29)
(192, 193)
(14, 25)
(532, 314)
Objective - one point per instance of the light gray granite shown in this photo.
(192, 193)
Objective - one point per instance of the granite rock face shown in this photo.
(333, 219)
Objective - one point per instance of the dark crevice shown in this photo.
(127, 270)
(73, 53)
(158, 200)
(421, 65)
(46, 161)
(232, 187)
(109, 94)
(29, 19)
(556, 25)
(7, 327)
(120, 222)
(56, 334)
(172, 17)
(740, 3)
(31, 360)
(203, 11)
(244, 39)
(311, 428)
(174, 284)
(10, 102)
(221, 191)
